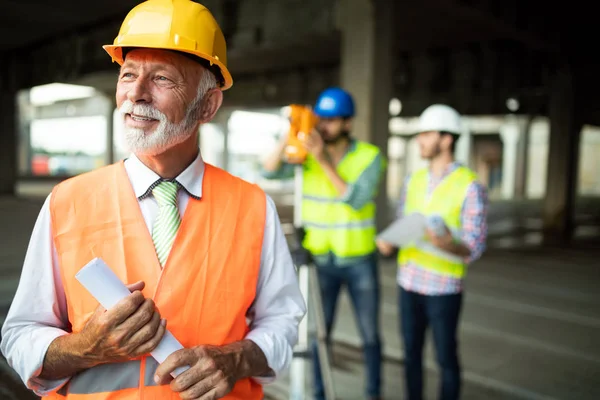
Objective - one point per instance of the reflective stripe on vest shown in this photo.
(97, 215)
(348, 225)
(446, 200)
(112, 377)
(330, 224)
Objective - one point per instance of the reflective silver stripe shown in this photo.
(320, 199)
(106, 378)
(428, 247)
(367, 223)
(63, 390)
(330, 200)
(149, 370)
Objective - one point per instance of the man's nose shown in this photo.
(138, 92)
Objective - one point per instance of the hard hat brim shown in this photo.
(327, 114)
(116, 54)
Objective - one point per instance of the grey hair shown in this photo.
(207, 82)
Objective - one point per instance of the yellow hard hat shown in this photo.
(180, 25)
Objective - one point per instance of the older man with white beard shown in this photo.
(167, 133)
(202, 251)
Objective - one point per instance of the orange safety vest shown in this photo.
(204, 290)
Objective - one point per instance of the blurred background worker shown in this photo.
(341, 176)
(432, 270)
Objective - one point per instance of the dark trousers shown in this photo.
(363, 287)
(441, 313)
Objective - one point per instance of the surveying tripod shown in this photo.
(309, 285)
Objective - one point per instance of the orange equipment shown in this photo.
(302, 122)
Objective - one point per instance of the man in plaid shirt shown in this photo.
(431, 271)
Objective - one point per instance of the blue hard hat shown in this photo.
(334, 102)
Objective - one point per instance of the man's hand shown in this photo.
(314, 145)
(447, 243)
(130, 329)
(441, 242)
(213, 371)
(385, 248)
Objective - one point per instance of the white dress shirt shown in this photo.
(38, 313)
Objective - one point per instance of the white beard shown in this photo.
(165, 136)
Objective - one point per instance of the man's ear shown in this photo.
(446, 141)
(210, 105)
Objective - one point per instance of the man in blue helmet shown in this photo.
(341, 176)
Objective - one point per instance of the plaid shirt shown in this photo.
(415, 278)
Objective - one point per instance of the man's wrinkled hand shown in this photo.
(212, 374)
(130, 329)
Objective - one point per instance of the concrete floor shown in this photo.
(530, 324)
(529, 328)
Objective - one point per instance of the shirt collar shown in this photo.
(143, 179)
(447, 171)
(451, 168)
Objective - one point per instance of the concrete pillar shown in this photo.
(463, 147)
(522, 160)
(24, 153)
(563, 157)
(356, 20)
(367, 62)
(8, 127)
(510, 134)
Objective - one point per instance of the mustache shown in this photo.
(142, 110)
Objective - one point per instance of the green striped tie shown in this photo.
(168, 220)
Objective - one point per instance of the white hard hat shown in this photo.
(441, 118)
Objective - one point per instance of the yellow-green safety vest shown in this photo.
(330, 224)
(446, 200)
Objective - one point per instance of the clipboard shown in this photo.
(404, 230)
